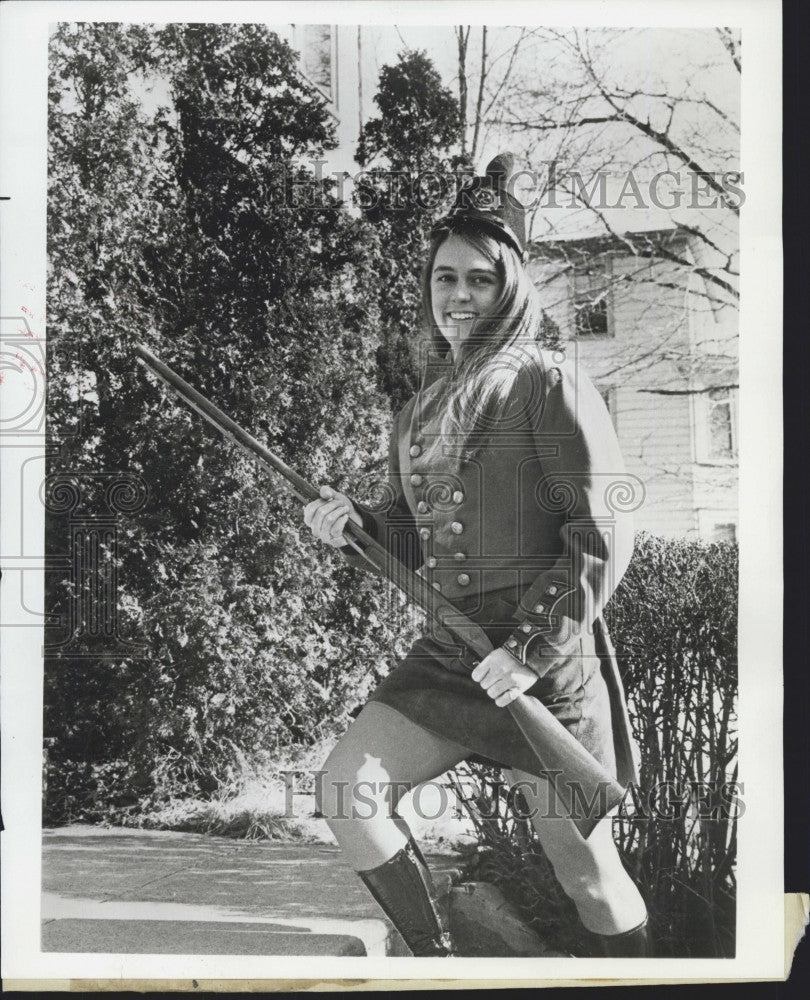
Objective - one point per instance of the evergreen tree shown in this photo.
(201, 229)
(408, 151)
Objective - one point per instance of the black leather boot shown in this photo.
(404, 889)
(634, 943)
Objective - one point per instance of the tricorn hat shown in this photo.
(488, 203)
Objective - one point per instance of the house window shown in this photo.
(316, 56)
(590, 292)
(721, 430)
(724, 533)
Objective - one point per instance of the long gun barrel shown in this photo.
(223, 423)
(587, 791)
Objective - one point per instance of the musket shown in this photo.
(586, 790)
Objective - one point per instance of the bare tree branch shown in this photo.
(504, 79)
(689, 392)
(481, 83)
(462, 37)
(733, 44)
(662, 138)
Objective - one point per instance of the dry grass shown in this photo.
(255, 805)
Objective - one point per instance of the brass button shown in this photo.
(424, 533)
(415, 451)
(464, 579)
(511, 643)
(457, 527)
(526, 627)
(459, 556)
(422, 507)
(431, 561)
(552, 590)
(539, 609)
(437, 586)
(458, 497)
(416, 479)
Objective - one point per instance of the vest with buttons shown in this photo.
(538, 500)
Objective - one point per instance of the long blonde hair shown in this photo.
(491, 359)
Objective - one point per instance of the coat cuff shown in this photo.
(545, 635)
(529, 646)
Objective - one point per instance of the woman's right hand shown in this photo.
(327, 517)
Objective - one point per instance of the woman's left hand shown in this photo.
(503, 677)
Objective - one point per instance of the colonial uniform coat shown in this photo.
(524, 524)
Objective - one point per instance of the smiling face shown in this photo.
(464, 287)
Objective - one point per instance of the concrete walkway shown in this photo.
(144, 892)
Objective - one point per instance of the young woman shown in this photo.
(501, 474)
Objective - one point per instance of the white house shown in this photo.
(661, 347)
(331, 58)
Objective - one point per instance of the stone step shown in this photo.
(189, 937)
(138, 892)
(77, 924)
